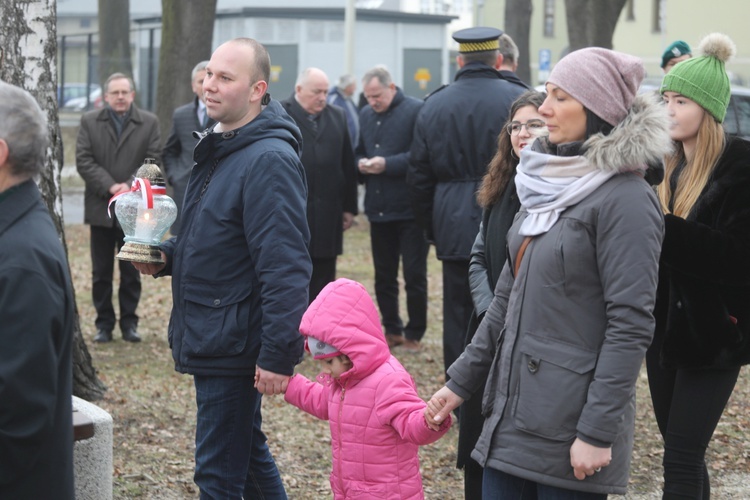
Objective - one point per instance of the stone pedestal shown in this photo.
(93, 456)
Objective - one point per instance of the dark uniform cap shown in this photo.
(477, 39)
(676, 49)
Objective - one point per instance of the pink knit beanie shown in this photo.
(604, 81)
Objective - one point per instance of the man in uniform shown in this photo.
(455, 137)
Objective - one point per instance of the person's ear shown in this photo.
(460, 61)
(259, 90)
(499, 61)
(4, 153)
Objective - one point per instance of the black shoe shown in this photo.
(103, 336)
(130, 335)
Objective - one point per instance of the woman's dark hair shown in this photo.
(595, 125)
(504, 163)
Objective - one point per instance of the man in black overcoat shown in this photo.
(37, 316)
(328, 158)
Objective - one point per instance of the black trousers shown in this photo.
(323, 272)
(688, 405)
(105, 242)
(457, 308)
(391, 242)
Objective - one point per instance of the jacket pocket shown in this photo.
(216, 318)
(553, 386)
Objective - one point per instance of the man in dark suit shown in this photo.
(328, 158)
(112, 143)
(178, 150)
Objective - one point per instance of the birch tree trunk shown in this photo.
(28, 59)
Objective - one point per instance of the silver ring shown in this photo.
(598, 469)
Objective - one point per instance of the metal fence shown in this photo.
(78, 62)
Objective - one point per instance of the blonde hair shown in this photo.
(694, 176)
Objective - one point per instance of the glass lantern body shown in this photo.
(145, 225)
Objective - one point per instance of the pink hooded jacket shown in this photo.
(376, 416)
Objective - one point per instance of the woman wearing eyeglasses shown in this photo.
(497, 195)
(562, 342)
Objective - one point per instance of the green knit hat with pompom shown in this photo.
(703, 79)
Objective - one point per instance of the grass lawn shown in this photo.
(154, 411)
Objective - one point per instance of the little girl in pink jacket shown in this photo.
(376, 416)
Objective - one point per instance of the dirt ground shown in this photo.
(154, 411)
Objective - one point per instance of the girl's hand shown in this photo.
(439, 407)
(429, 413)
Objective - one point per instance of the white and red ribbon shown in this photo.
(147, 193)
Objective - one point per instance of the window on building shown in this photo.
(549, 18)
(657, 8)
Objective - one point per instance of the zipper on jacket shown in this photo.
(341, 411)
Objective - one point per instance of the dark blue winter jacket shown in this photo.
(388, 134)
(240, 265)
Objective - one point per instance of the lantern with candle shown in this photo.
(145, 214)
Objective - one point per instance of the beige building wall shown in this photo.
(639, 34)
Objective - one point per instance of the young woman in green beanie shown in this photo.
(702, 310)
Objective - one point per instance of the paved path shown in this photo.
(72, 198)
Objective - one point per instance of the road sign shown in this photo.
(545, 58)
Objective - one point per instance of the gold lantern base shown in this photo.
(140, 252)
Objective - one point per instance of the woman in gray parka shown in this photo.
(562, 343)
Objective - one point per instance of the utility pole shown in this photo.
(350, 18)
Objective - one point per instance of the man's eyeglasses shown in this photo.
(533, 127)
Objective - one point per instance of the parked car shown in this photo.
(737, 121)
(74, 91)
(95, 101)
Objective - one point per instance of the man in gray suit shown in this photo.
(178, 150)
(112, 143)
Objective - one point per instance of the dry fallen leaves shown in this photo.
(154, 411)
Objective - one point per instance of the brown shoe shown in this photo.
(394, 340)
(411, 345)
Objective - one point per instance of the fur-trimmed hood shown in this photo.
(637, 143)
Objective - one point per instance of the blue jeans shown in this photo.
(499, 485)
(232, 460)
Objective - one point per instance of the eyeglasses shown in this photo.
(533, 127)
